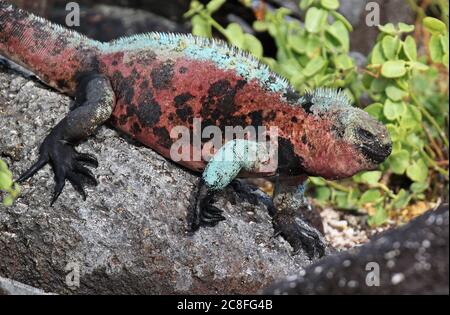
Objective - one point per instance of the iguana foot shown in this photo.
(203, 213)
(67, 163)
(299, 233)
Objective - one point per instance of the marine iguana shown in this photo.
(146, 85)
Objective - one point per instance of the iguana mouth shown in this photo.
(376, 153)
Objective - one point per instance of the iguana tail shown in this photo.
(53, 53)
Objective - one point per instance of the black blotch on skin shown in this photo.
(115, 63)
(181, 99)
(163, 137)
(148, 110)
(123, 119)
(128, 95)
(219, 88)
(136, 128)
(220, 99)
(183, 70)
(162, 75)
(257, 118)
(291, 96)
(304, 139)
(307, 103)
(144, 85)
(294, 119)
(146, 59)
(185, 113)
(289, 163)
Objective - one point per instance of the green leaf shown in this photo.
(434, 25)
(390, 46)
(323, 193)
(343, 62)
(445, 59)
(393, 110)
(418, 66)
(389, 28)
(418, 187)
(260, 26)
(412, 117)
(375, 110)
(235, 35)
(401, 200)
(5, 181)
(436, 51)
(380, 217)
(315, 20)
(304, 4)
(378, 85)
(370, 178)
(3, 166)
(340, 33)
(393, 69)
(214, 5)
(410, 48)
(396, 94)
(8, 201)
(405, 28)
(253, 45)
(201, 27)
(298, 43)
(313, 47)
(314, 66)
(377, 56)
(330, 4)
(394, 133)
(370, 196)
(399, 162)
(339, 17)
(418, 171)
(317, 181)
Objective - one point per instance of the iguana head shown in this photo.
(341, 140)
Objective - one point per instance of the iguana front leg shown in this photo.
(94, 102)
(227, 163)
(293, 218)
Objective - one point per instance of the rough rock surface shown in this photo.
(11, 287)
(129, 235)
(413, 259)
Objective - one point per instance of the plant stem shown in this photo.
(430, 119)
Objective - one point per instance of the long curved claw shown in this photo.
(67, 164)
(43, 159)
(299, 234)
(77, 185)
(203, 212)
(58, 190)
(87, 158)
(87, 174)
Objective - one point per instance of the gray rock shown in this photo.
(11, 287)
(412, 259)
(129, 236)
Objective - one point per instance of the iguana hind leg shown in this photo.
(96, 101)
(295, 221)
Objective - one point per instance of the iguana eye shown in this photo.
(365, 134)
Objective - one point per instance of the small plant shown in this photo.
(8, 188)
(409, 93)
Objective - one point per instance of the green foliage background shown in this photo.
(408, 87)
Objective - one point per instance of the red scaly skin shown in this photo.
(219, 98)
(158, 92)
